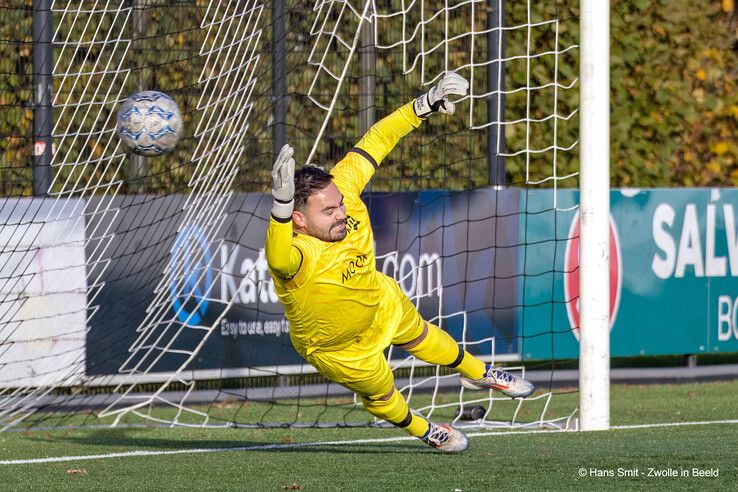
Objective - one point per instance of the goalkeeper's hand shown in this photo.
(436, 100)
(283, 183)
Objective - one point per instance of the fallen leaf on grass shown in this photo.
(73, 471)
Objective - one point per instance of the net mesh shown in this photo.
(168, 311)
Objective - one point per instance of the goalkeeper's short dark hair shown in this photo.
(309, 180)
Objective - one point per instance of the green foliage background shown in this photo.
(674, 71)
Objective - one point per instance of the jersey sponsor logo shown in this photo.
(353, 267)
(571, 274)
(352, 224)
(190, 275)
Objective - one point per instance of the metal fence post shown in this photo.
(495, 88)
(279, 77)
(367, 87)
(43, 62)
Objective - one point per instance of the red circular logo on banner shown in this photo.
(571, 274)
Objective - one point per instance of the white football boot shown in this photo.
(445, 438)
(502, 381)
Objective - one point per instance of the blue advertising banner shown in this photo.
(453, 253)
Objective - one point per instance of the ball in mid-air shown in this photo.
(149, 123)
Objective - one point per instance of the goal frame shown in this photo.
(594, 191)
(594, 222)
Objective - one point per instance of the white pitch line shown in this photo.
(267, 447)
(675, 424)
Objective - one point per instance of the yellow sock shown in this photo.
(439, 348)
(395, 411)
(417, 427)
(471, 367)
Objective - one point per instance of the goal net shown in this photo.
(136, 289)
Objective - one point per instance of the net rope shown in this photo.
(123, 210)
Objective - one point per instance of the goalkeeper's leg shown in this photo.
(425, 340)
(431, 344)
(437, 347)
(440, 436)
(371, 378)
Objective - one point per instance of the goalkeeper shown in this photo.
(343, 313)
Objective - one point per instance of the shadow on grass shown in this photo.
(126, 440)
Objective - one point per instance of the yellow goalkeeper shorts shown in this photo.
(362, 366)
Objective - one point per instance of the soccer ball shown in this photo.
(149, 123)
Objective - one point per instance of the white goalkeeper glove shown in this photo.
(436, 100)
(283, 183)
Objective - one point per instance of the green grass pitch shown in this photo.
(688, 457)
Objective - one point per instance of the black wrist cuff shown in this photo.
(421, 107)
(282, 220)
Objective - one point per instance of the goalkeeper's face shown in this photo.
(323, 216)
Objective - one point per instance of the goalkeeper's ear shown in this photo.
(298, 218)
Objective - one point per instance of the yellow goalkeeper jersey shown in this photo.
(331, 291)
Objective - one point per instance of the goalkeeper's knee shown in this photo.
(437, 347)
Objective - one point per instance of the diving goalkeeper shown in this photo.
(343, 313)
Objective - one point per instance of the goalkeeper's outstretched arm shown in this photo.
(384, 135)
(353, 172)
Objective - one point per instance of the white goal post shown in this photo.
(594, 274)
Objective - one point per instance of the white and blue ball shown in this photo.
(149, 123)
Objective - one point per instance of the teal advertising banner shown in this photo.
(674, 269)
